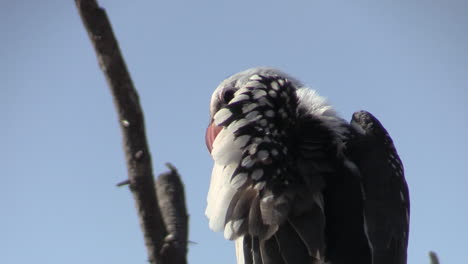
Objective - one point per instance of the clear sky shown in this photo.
(61, 153)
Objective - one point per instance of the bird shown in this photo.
(293, 182)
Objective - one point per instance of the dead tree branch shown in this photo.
(158, 238)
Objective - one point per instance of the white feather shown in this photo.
(239, 180)
(232, 228)
(234, 126)
(218, 215)
(313, 103)
(240, 250)
(225, 150)
(238, 98)
(215, 186)
(222, 115)
(228, 231)
(219, 196)
(242, 140)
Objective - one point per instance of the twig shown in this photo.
(123, 183)
(170, 191)
(131, 122)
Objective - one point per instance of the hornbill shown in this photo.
(294, 183)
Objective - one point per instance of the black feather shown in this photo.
(256, 256)
(291, 246)
(345, 234)
(310, 227)
(256, 226)
(241, 210)
(247, 249)
(270, 252)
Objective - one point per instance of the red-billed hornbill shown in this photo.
(294, 183)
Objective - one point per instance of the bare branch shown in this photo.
(170, 191)
(131, 122)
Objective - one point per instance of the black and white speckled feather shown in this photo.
(284, 185)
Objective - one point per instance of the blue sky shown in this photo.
(404, 61)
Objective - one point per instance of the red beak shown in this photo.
(211, 132)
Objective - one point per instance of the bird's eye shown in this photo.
(228, 95)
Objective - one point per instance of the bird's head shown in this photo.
(248, 87)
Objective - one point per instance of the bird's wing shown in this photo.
(386, 196)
